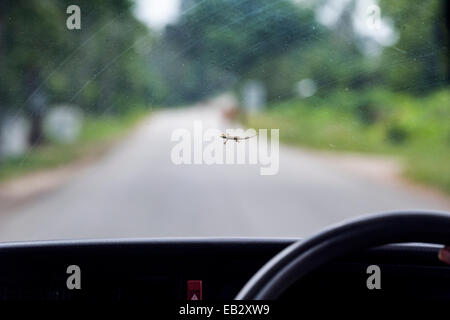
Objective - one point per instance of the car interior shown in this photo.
(330, 266)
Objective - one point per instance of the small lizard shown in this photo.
(227, 137)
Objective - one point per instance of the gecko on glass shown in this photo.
(227, 137)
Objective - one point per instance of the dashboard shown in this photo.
(145, 270)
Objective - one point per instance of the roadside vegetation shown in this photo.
(97, 136)
(101, 70)
(416, 129)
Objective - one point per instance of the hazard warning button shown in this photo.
(194, 290)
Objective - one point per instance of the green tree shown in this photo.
(234, 36)
(419, 60)
(100, 67)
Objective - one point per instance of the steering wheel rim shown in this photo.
(303, 256)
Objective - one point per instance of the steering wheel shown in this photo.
(304, 256)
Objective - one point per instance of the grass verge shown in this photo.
(98, 134)
(415, 129)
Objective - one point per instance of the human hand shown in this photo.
(444, 255)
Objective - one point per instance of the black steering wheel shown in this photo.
(305, 256)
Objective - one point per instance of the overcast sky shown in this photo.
(157, 13)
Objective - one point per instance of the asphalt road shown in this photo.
(136, 191)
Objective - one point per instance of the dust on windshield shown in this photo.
(194, 118)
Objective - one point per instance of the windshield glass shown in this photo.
(193, 118)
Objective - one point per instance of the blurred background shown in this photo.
(358, 88)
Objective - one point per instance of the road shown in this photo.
(136, 191)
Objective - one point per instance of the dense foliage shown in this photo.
(98, 68)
